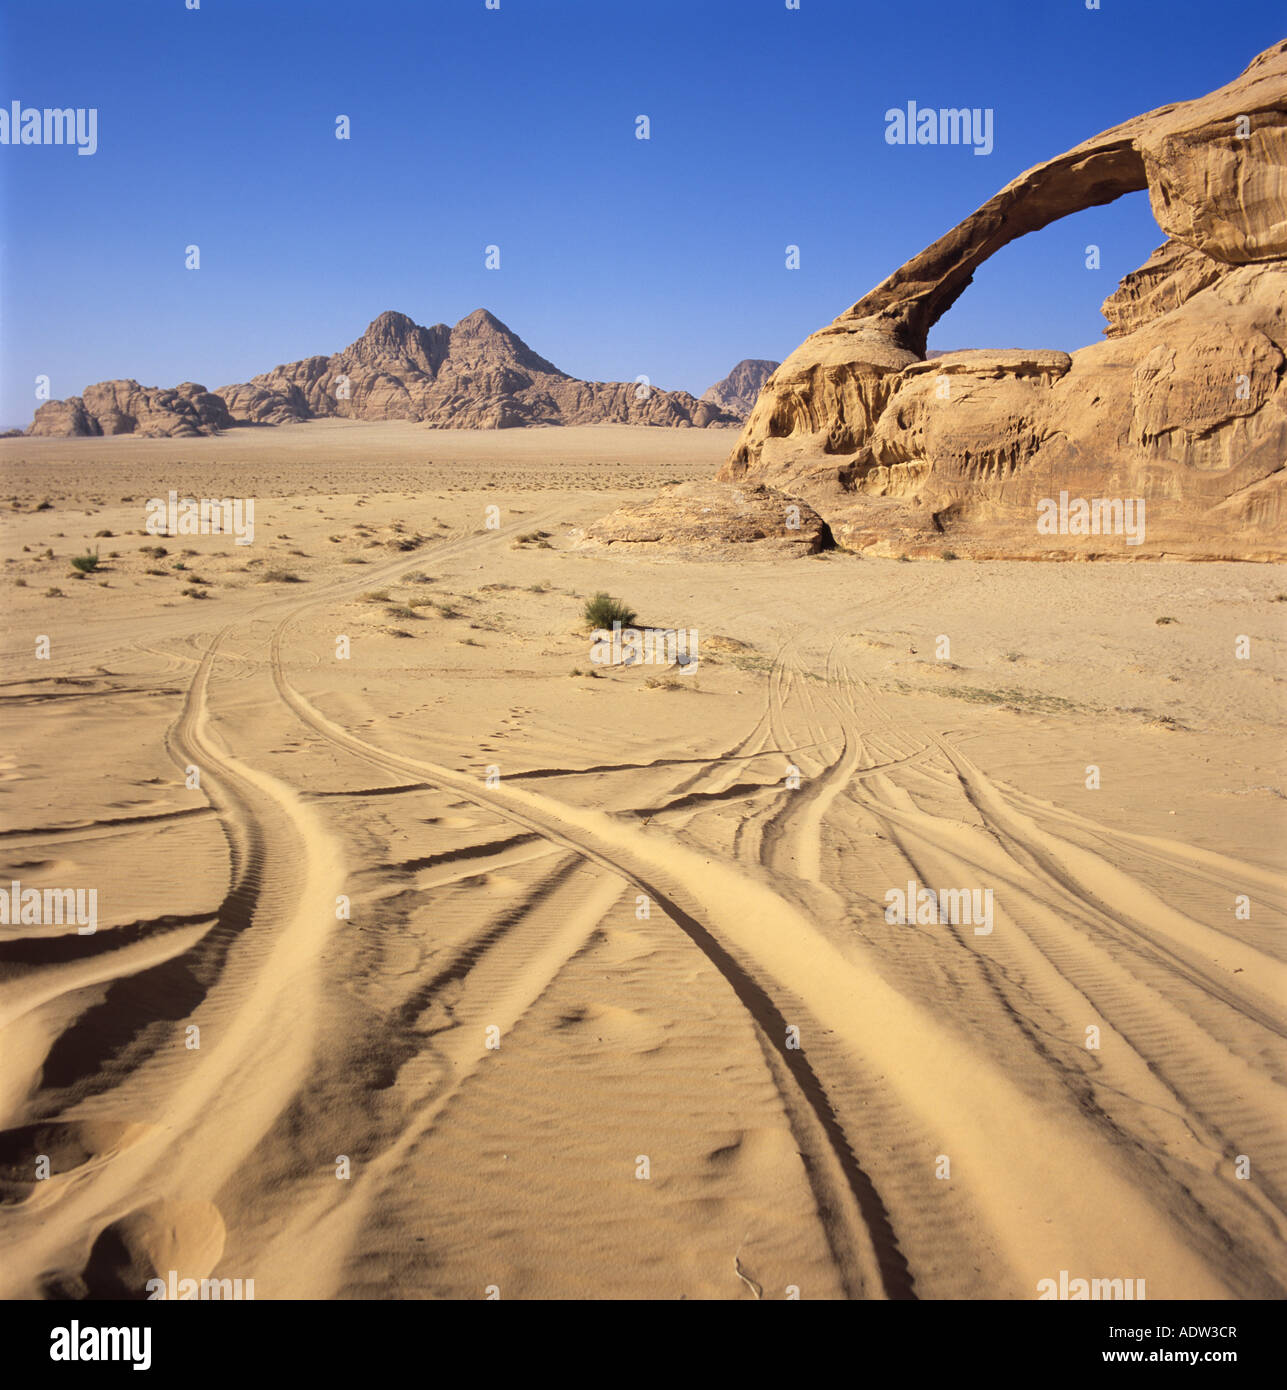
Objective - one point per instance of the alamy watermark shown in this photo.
(204, 516)
(630, 646)
(1098, 1290)
(50, 125)
(49, 907)
(949, 125)
(1101, 516)
(926, 907)
(77, 1343)
(173, 1288)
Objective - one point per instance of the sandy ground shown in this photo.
(615, 1010)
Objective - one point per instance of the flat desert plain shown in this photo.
(444, 963)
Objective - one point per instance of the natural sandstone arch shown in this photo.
(850, 423)
(917, 295)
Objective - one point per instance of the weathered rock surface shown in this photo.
(713, 521)
(477, 375)
(125, 407)
(740, 389)
(1184, 405)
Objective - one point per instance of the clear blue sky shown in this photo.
(517, 127)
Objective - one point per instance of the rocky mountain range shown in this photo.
(740, 389)
(477, 375)
(1184, 405)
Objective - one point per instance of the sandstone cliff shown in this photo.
(1184, 405)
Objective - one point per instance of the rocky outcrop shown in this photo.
(713, 521)
(477, 375)
(1171, 276)
(125, 407)
(1184, 405)
(740, 389)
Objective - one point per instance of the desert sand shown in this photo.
(615, 1010)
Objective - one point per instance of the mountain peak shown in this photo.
(482, 319)
(396, 336)
(481, 341)
(739, 390)
(390, 327)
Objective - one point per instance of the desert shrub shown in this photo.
(603, 610)
(86, 563)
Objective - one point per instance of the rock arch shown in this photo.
(1192, 412)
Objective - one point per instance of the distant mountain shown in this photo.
(477, 375)
(738, 391)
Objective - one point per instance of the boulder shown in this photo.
(713, 521)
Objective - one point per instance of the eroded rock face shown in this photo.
(714, 521)
(740, 389)
(125, 407)
(477, 375)
(1185, 404)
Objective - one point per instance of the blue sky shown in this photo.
(516, 127)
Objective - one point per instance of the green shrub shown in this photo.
(603, 610)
